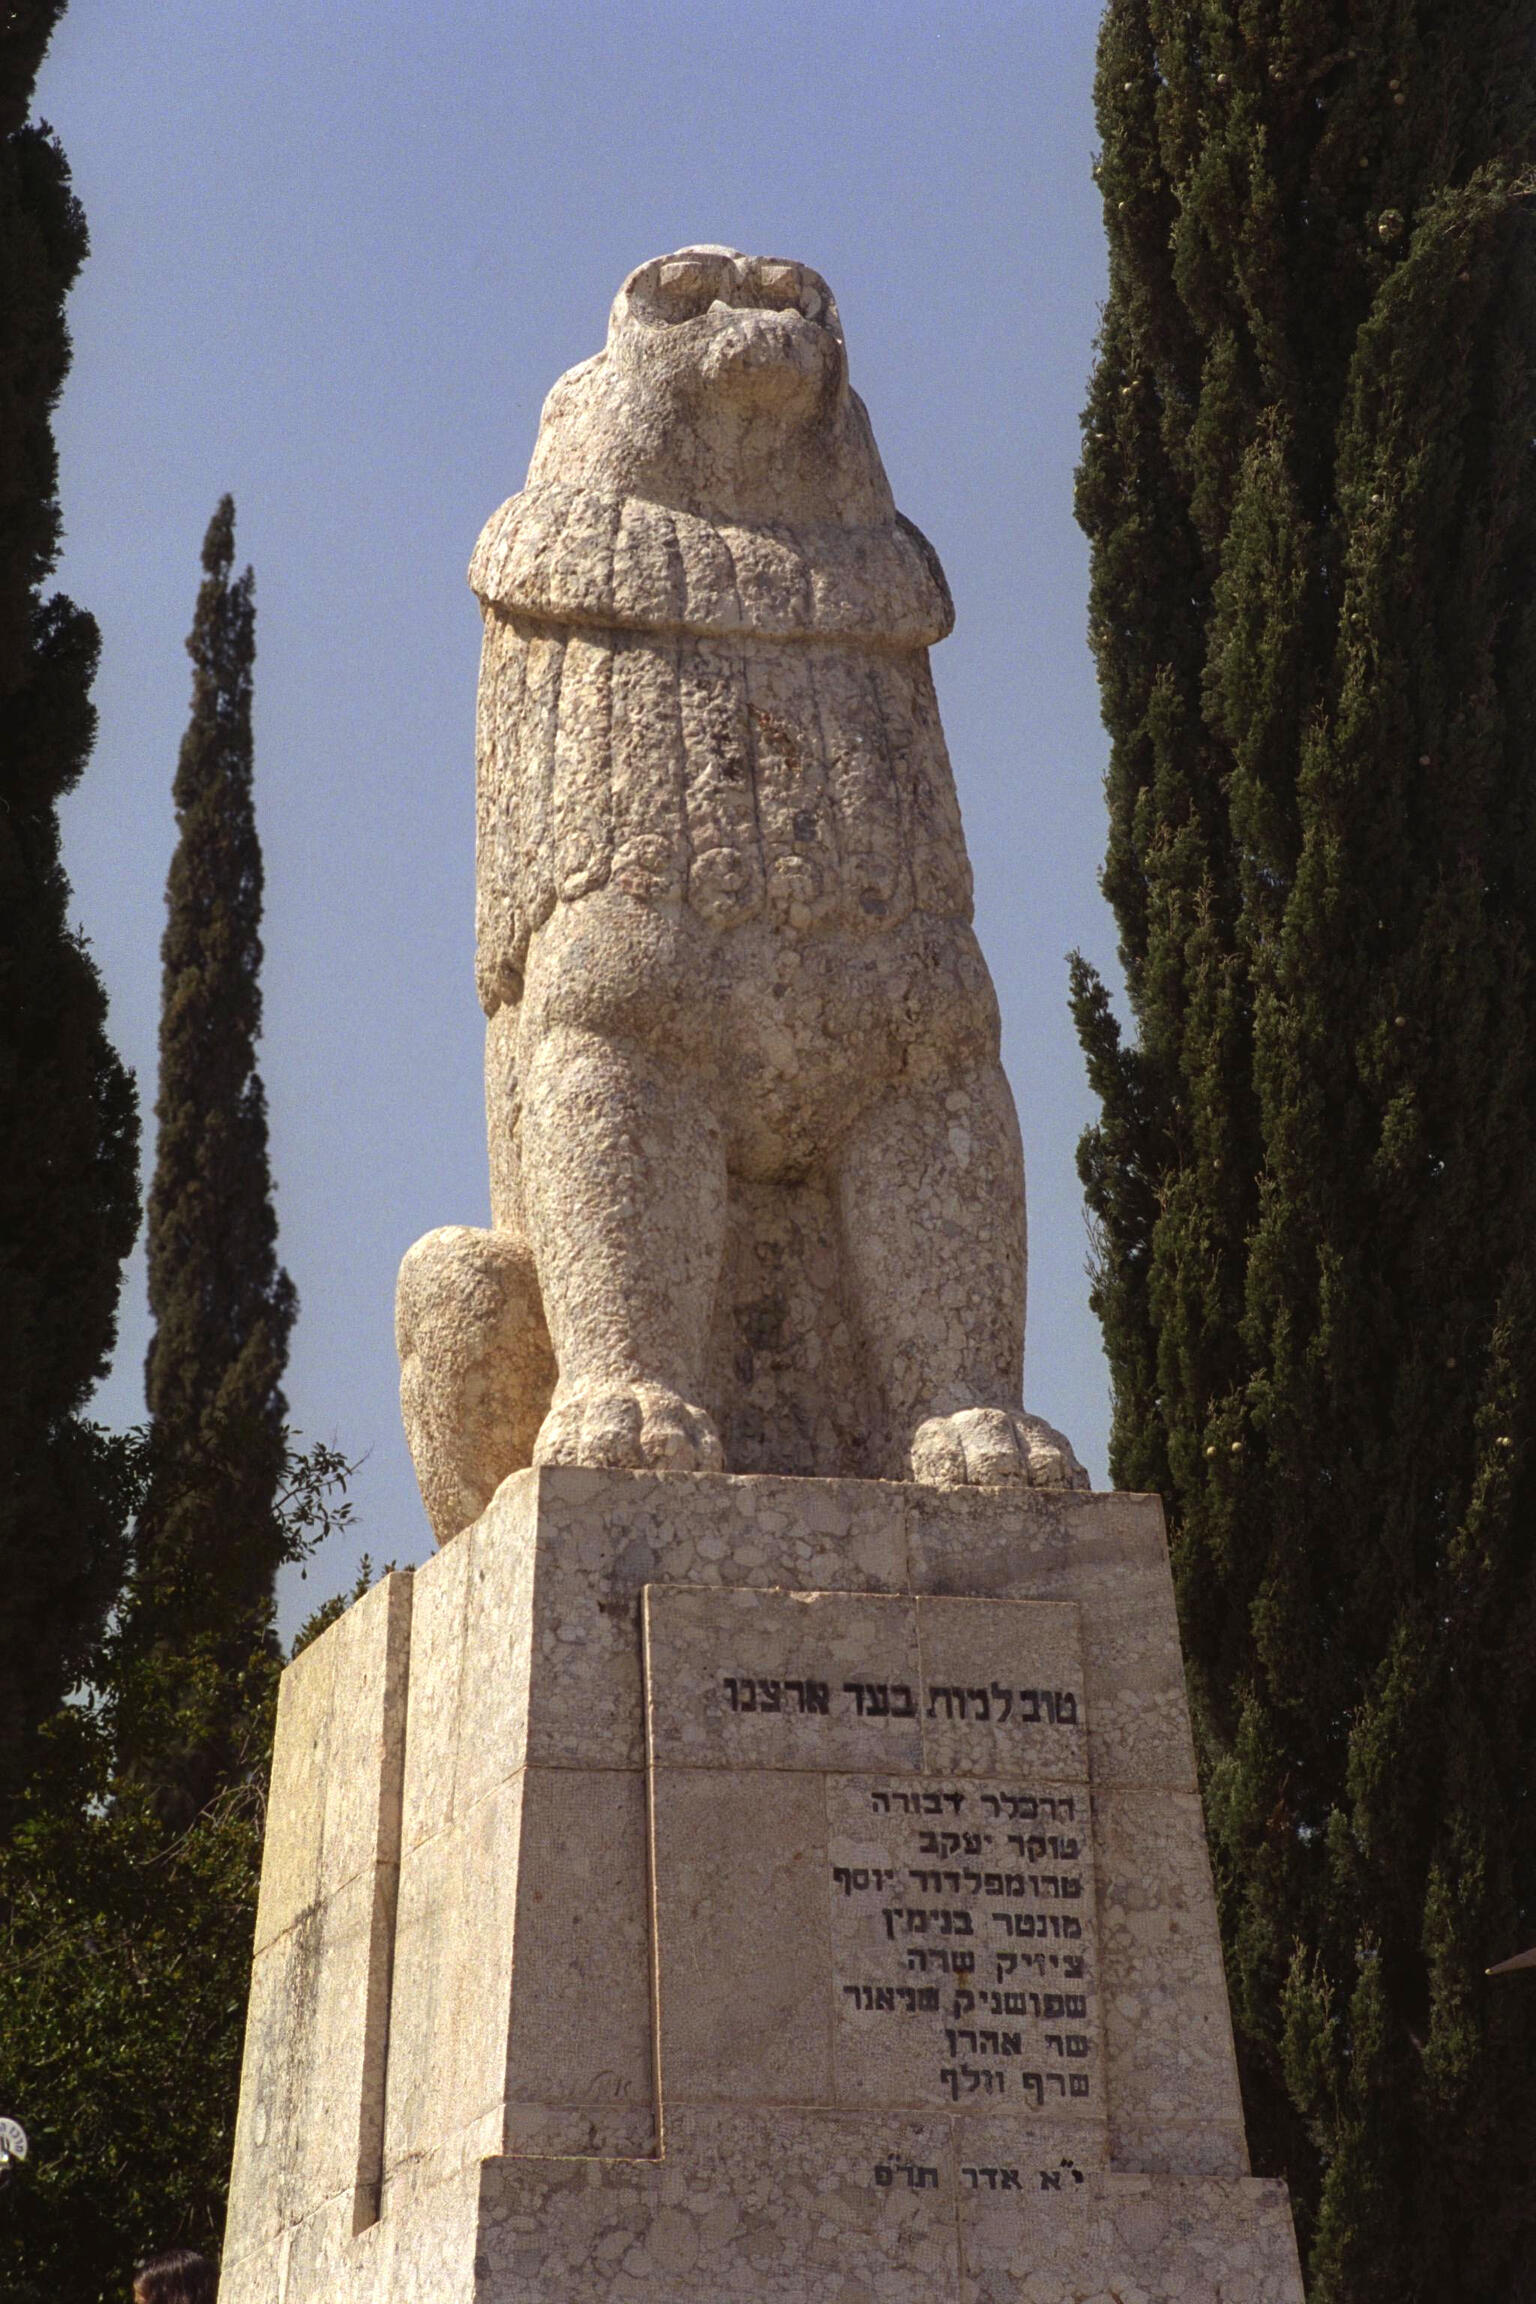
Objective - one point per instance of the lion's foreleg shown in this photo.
(625, 1191)
(931, 1193)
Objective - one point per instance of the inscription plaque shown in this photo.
(872, 1853)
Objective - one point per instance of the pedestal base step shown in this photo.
(808, 2208)
(798, 2213)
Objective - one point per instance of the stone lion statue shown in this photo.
(756, 1182)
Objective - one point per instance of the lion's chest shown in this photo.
(803, 784)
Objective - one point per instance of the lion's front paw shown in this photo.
(993, 1448)
(628, 1428)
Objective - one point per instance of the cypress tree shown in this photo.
(210, 1538)
(1308, 485)
(68, 1116)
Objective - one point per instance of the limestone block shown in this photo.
(1159, 2239)
(807, 2207)
(425, 2252)
(629, 1529)
(580, 2053)
(319, 2257)
(592, 1541)
(522, 2009)
(738, 1679)
(333, 1805)
(450, 2010)
(1003, 1688)
(1168, 2033)
(422, 2255)
(995, 2162)
(522, 2001)
(309, 2127)
(495, 1693)
(897, 1682)
(255, 2278)
(470, 1678)
(744, 1986)
(437, 1667)
(783, 2208)
(1109, 1555)
(295, 1832)
(961, 1973)
(1178, 2147)
(831, 1932)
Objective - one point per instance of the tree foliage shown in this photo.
(125, 1940)
(209, 1540)
(1308, 484)
(68, 1116)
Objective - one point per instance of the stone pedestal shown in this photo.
(687, 1887)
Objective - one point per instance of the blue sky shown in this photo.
(339, 254)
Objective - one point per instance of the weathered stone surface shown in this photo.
(804, 2207)
(845, 1680)
(744, 1981)
(853, 1907)
(1169, 2240)
(1002, 1688)
(451, 2004)
(588, 1543)
(1108, 1554)
(580, 2071)
(308, 2134)
(782, 1701)
(607, 1536)
(784, 2207)
(1167, 2029)
(559, 2058)
(757, 1188)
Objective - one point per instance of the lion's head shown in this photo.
(722, 391)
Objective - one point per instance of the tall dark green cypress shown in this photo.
(210, 1538)
(68, 1116)
(1309, 487)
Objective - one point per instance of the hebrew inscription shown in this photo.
(897, 1700)
(840, 1680)
(963, 1953)
(935, 1941)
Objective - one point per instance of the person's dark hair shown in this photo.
(180, 2276)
